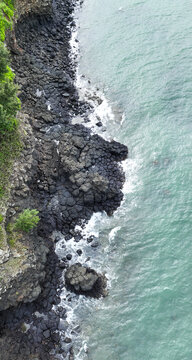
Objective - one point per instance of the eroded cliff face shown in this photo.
(22, 256)
(64, 171)
(22, 261)
(27, 7)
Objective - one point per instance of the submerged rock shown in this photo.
(84, 280)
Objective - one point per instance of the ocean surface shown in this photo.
(139, 54)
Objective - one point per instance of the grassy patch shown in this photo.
(14, 237)
(12, 242)
(1, 237)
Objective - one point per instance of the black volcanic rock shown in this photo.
(84, 280)
(69, 174)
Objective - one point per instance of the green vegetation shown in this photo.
(9, 227)
(27, 220)
(12, 241)
(13, 236)
(9, 102)
(6, 13)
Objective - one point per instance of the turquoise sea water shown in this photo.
(140, 54)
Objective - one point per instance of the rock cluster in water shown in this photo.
(84, 280)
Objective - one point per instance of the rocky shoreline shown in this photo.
(65, 172)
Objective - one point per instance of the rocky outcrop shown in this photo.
(28, 7)
(21, 274)
(30, 330)
(74, 176)
(84, 280)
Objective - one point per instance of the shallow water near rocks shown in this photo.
(139, 54)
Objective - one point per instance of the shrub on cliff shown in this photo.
(5, 71)
(9, 103)
(27, 220)
(4, 60)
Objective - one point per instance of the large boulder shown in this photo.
(84, 280)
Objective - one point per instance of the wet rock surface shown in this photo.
(84, 280)
(67, 174)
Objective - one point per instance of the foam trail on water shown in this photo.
(97, 118)
(77, 306)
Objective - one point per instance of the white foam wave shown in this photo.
(131, 169)
(91, 228)
(102, 112)
(74, 45)
(113, 233)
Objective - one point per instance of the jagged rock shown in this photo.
(85, 280)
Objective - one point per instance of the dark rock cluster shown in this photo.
(30, 331)
(84, 280)
(74, 175)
